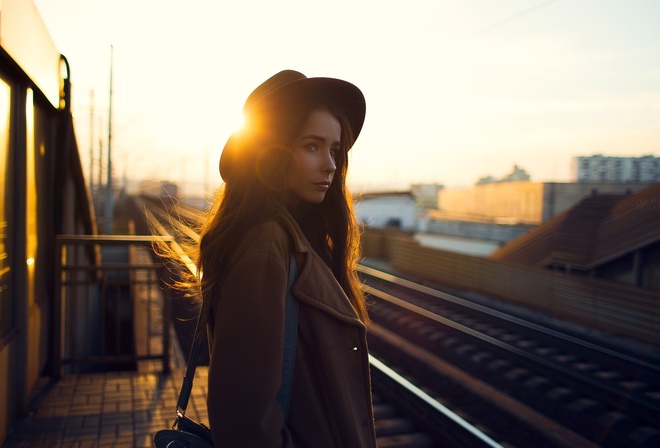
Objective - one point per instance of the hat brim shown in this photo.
(342, 94)
(335, 92)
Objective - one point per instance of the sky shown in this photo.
(456, 90)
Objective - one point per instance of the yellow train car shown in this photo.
(42, 193)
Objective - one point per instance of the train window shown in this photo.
(6, 300)
(39, 178)
(31, 205)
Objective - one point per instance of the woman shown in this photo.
(285, 198)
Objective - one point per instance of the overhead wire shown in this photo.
(514, 17)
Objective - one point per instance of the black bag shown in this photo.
(185, 433)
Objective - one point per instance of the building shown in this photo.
(159, 188)
(609, 236)
(599, 168)
(386, 209)
(426, 195)
(516, 174)
(523, 202)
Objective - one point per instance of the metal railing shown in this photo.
(110, 311)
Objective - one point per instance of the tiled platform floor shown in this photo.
(116, 409)
(113, 409)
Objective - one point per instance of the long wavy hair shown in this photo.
(257, 191)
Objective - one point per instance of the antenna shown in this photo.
(108, 188)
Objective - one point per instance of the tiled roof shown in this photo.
(633, 222)
(596, 230)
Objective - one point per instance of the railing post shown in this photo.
(56, 336)
(167, 317)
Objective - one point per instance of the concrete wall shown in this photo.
(383, 210)
(479, 230)
(521, 202)
(558, 197)
(505, 203)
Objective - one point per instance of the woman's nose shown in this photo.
(330, 166)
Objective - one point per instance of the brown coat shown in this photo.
(331, 394)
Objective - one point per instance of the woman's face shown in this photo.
(313, 162)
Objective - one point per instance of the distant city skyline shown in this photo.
(600, 168)
(456, 91)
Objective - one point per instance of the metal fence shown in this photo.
(111, 310)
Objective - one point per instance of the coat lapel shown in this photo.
(316, 285)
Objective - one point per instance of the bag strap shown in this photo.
(288, 358)
(186, 385)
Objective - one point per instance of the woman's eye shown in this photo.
(311, 146)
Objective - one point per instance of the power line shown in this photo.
(514, 17)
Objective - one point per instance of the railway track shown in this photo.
(406, 416)
(523, 383)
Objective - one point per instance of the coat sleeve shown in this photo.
(246, 361)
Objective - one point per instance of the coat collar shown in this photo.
(315, 284)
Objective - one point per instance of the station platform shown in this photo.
(116, 408)
(112, 409)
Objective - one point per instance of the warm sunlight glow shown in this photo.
(455, 91)
(238, 123)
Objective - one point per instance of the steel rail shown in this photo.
(504, 316)
(642, 406)
(438, 418)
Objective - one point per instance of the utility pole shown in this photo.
(206, 172)
(109, 202)
(91, 143)
(99, 189)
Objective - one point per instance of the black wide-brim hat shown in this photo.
(291, 87)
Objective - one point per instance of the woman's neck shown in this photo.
(307, 217)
